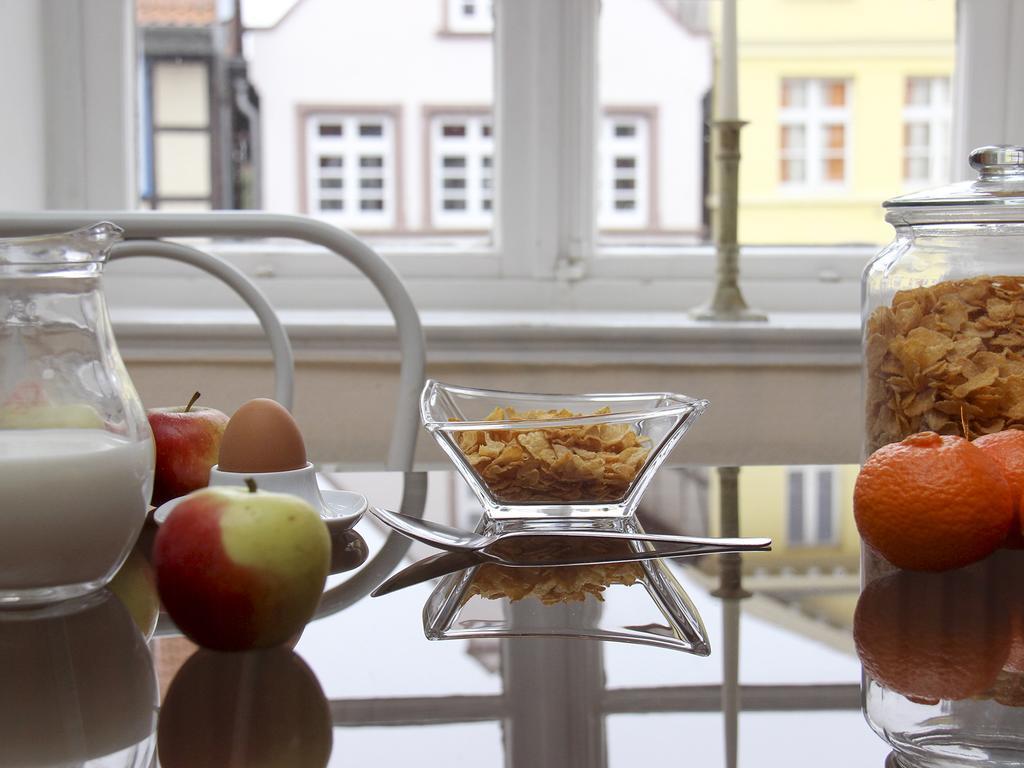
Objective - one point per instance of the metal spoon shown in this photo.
(458, 540)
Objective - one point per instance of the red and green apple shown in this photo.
(240, 568)
(187, 444)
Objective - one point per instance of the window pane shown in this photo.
(918, 91)
(461, 172)
(826, 513)
(835, 94)
(916, 135)
(795, 508)
(331, 205)
(371, 162)
(794, 93)
(332, 162)
(835, 136)
(181, 94)
(793, 137)
(331, 183)
(835, 169)
(792, 171)
(182, 163)
(328, 129)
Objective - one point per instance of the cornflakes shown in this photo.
(946, 358)
(553, 584)
(561, 463)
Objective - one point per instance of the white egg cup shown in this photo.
(339, 509)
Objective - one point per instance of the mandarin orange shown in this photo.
(932, 503)
(1006, 449)
(933, 636)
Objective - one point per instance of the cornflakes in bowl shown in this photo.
(534, 455)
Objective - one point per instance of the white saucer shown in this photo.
(342, 509)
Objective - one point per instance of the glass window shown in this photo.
(351, 169)
(624, 173)
(470, 16)
(811, 509)
(813, 126)
(461, 154)
(926, 124)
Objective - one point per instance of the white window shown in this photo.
(926, 140)
(470, 16)
(624, 172)
(350, 169)
(461, 171)
(812, 517)
(814, 126)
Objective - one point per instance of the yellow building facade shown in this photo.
(848, 105)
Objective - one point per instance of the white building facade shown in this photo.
(377, 116)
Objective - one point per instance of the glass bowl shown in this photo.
(556, 456)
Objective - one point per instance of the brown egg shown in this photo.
(262, 437)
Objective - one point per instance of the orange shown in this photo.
(932, 503)
(934, 636)
(1006, 449)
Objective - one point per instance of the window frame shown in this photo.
(150, 130)
(939, 119)
(306, 114)
(455, 23)
(430, 114)
(810, 478)
(548, 240)
(814, 116)
(647, 180)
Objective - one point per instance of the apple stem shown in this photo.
(250, 484)
(195, 396)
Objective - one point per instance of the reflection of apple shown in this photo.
(187, 443)
(77, 685)
(255, 709)
(70, 416)
(240, 568)
(135, 585)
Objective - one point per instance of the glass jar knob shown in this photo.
(998, 161)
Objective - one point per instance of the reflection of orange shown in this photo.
(931, 502)
(933, 636)
(1006, 449)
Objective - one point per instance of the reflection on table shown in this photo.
(780, 688)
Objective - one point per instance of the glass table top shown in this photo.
(363, 686)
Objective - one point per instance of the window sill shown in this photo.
(524, 337)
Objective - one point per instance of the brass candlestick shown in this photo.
(728, 303)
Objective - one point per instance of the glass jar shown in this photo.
(76, 451)
(946, 290)
(943, 324)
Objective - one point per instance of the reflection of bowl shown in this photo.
(77, 684)
(533, 455)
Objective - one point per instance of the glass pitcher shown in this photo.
(76, 451)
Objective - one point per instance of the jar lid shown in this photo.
(996, 195)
